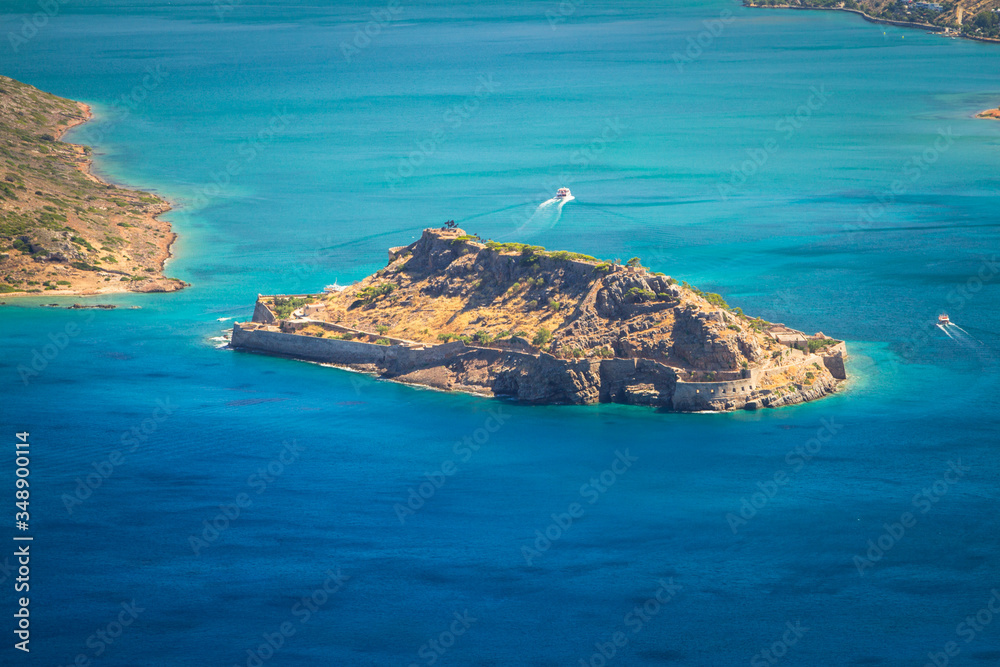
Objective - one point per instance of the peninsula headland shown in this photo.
(63, 231)
(453, 312)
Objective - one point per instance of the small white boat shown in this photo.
(335, 287)
(943, 319)
(562, 193)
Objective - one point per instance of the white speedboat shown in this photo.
(562, 193)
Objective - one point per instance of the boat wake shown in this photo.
(544, 218)
(959, 335)
(963, 336)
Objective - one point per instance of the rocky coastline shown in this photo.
(66, 232)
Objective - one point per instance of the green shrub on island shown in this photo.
(638, 295)
(382, 341)
(554, 305)
(83, 266)
(444, 338)
(529, 256)
(711, 297)
(542, 337)
(816, 344)
(566, 255)
(372, 292)
(513, 247)
(715, 299)
(483, 337)
(284, 306)
(382, 328)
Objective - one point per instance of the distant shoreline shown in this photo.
(873, 19)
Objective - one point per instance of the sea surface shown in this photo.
(813, 168)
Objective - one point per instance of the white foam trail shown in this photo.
(965, 338)
(544, 218)
(941, 327)
(223, 319)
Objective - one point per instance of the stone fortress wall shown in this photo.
(632, 381)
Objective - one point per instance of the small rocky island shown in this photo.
(453, 312)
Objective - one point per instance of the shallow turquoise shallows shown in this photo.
(813, 168)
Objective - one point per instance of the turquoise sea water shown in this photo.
(460, 111)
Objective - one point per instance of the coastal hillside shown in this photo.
(456, 312)
(977, 19)
(62, 230)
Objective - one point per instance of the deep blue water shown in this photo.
(459, 111)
